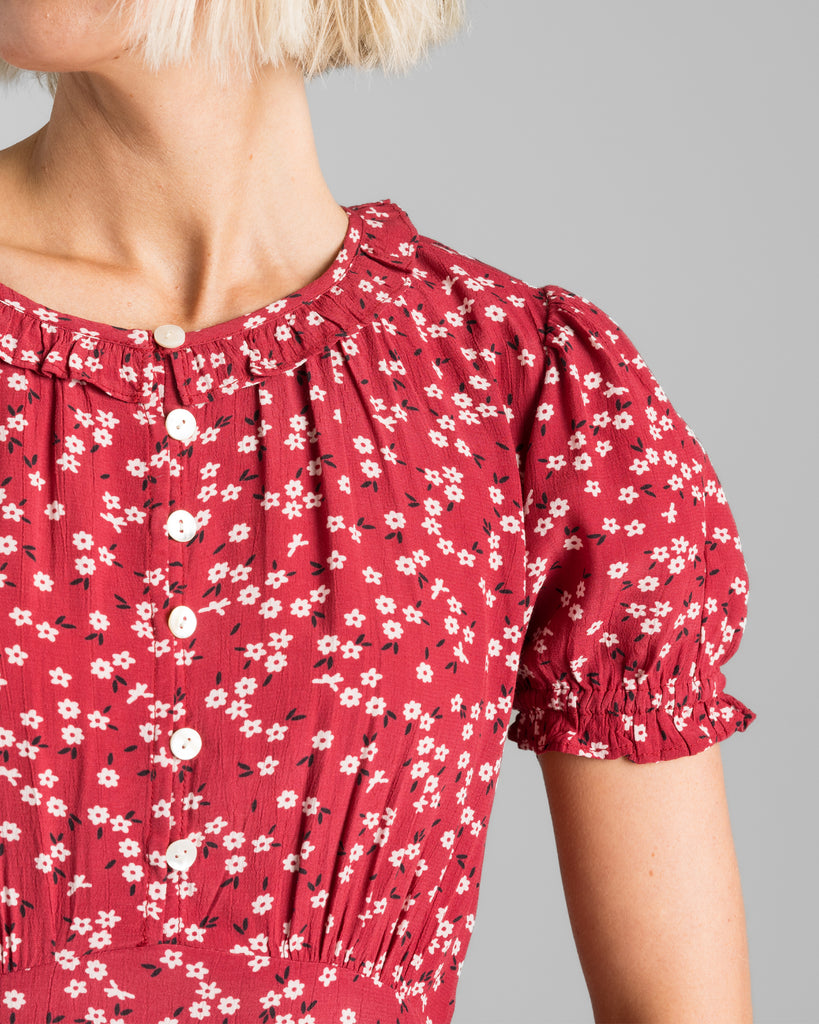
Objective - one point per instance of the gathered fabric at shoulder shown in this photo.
(637, 587)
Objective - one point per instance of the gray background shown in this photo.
(660, 160)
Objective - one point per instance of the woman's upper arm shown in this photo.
(652, 887)
(636, 597)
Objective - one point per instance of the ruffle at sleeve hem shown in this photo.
(644, 736)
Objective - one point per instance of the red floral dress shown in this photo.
(270, 595)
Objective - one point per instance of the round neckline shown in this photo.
(243, 325)
(365, 282)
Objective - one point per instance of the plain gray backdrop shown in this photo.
(661, 160)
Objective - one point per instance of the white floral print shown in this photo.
(423, 497)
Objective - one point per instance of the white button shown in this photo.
(180, 854)
(182, 621)
(169, 336)
(181, 424)
(185, 743)
(181, 525)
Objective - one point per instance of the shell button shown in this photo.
(181, 525)
(180, 854)
(182, 621)
(185, 743)
(169, 336)
(181, 424)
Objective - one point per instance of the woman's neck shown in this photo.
(197, 199)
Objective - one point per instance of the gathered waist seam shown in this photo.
(101, 953)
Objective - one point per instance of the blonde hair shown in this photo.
(241, 35)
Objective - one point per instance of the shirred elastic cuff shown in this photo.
(644, 735)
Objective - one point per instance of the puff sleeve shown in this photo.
(636, 586)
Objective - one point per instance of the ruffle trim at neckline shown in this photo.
(361, 281)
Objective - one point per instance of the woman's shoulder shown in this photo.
(473, 307)
(525, 333)
(534, 323)
(467, 275)
(472, 290)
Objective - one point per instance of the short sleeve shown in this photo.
(637, 588)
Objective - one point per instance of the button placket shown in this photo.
(181, 526)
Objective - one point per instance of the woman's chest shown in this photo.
(322, 540)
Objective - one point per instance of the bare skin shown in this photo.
(157, 198)
(652, 887)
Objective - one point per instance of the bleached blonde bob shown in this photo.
(239, 36)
